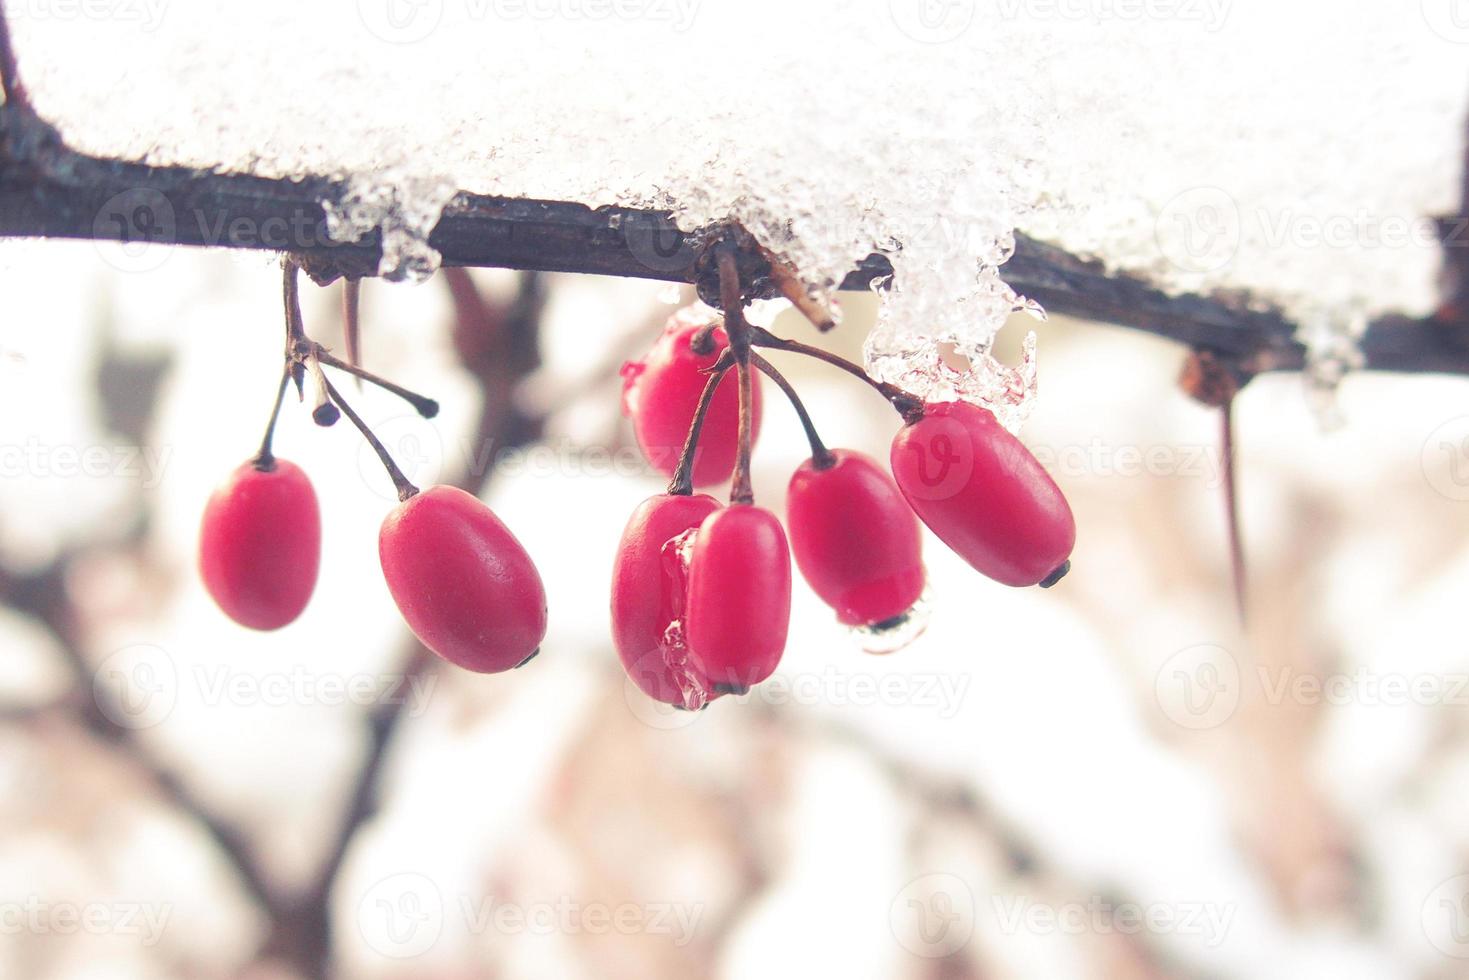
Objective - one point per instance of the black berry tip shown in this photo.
(1057, 575)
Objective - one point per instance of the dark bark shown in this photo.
(47, 190)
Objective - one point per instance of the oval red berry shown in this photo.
(661, 394)
(984, 494)
(260, 545)
(855, 539)
(649, 590)
(462, 581)
(739, 602)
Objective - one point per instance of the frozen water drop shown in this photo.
(895, 634)
(1032, 309)
(677, 552)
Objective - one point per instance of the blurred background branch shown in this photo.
(499, 346)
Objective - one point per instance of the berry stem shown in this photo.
(909, 405)
(303, 351)
(325, 413)
(732, 295)
(16, 96)
(682, 484)
(426, 407)
(265, 459)
(742, 492)
(295, 323)
(405, 487)
(821, 457)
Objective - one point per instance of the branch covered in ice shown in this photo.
(48, 190)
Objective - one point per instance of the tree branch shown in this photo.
(43, 596)
(48, 190)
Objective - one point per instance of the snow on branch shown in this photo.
(48, 190)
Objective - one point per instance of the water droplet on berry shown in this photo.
(677, 553)
(894, 634)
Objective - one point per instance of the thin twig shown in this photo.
(401, 483)
(427, 407)
(291, 291)
(732, 297)
(1231, 505)
(265, 459)
(682, 483)
(821, 457)
(742, 491)
(352, 325)
(788, 281)
(324, 413)
(907, 404)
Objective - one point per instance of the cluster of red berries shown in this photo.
(701, 592)
(463, 583)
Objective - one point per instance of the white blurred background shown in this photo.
(1110, 779)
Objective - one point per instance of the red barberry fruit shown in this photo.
(661, 394)
(855, 538)
(649, 589)
(984, 494)
(739, 602)
(260, 544)
(463, 583)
